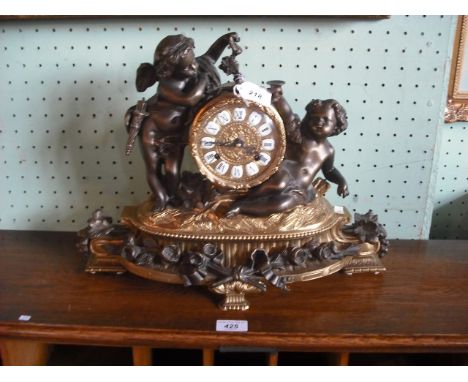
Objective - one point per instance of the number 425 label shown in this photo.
(232, 326)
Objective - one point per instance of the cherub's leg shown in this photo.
(273, 185)
(265, 206)
(172, 165)
(153, 162)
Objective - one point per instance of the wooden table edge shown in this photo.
(169, 338)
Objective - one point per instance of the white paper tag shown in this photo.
(252, 92)
(232, 326)
(339, 210)
(24, 317)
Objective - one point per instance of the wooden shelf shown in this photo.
(419, 305)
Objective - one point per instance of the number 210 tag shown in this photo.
(252, 92)
(232, 326)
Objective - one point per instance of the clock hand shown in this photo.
(249, 150)
(223, 143)
(234, 142)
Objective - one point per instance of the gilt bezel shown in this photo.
(208, 113)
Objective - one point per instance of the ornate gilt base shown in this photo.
(104, 263)
(363, 264)
(234, 257)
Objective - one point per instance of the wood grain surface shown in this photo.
(419, 304)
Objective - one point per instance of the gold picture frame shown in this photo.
(457, 102)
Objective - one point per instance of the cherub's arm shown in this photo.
(217, 48)
(333, 175)
(173, 94)
(291, 120)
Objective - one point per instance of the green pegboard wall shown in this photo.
(450, 217)
(65, 85)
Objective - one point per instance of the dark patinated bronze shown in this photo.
(308, 152)
(184, 83)
(258, 215)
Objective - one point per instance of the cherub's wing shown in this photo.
(146, 76)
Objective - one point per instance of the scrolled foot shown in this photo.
(234, 301)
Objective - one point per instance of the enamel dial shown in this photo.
(236, 143)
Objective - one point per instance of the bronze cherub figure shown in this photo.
(309, 151)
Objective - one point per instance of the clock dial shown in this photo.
(264, 130)
(208, 142)
(224, 117)
(210, 157)
(268, 144)
(264, 159)
(222, 167)
(239, 114)
(237, 144)
(212, 128)
(237, 171)
(252, 168)
(254, 118)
